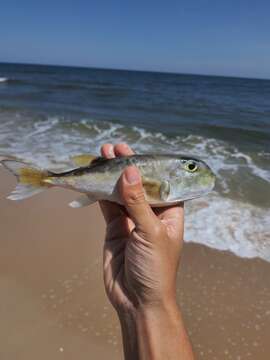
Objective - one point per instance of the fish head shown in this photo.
(190, 178)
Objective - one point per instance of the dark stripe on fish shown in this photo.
(123, 161)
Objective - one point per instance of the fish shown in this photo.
(167, 178)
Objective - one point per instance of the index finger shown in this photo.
(109, 209)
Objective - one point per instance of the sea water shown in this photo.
(49, 113)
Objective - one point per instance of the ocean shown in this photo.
(49, 113)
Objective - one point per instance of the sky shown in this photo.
(228, 37)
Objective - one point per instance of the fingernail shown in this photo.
(132, 175)
(111, 152)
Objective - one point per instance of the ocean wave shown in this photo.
(13, 81)
(25, 135)
(220, 220)
(225, 224)
(41, 127)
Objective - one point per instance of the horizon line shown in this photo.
(134, 70)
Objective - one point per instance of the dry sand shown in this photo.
(53, 304)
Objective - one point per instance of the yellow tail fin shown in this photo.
(30, 180)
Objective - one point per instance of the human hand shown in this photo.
(141, 257)
(142, 246)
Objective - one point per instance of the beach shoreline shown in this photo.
(48, 115)
(53, 301)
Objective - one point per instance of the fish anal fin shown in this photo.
(82, 201)
(156, 189)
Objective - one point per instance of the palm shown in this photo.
(116, 242)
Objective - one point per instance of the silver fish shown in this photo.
(167, 179)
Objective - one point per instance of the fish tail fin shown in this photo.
(31, 180)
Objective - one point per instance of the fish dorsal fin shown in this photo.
(84, 159)
(98, 160)
(156, 189)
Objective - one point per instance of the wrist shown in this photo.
(131, 312)
(145, 326)
(165, 304)
(127, 315)
(160, 330)
(164, 313)
(127, 320)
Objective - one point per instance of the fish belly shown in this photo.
(100, 186)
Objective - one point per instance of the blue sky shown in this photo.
(229, 37)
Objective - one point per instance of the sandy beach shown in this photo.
(53, 304)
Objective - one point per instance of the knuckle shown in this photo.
(135, 198)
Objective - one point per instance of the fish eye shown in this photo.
(191, 166)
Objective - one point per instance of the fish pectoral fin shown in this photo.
(82, 159)
(156, 189)
(83, 200)
(165, 189)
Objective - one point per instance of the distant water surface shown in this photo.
(49, 113)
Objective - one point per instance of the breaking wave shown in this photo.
(226, 224)
(229, 219)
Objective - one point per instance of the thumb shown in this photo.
(132, 195)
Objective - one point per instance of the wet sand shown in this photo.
(53, 304)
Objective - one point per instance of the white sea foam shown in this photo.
(41, 127)
(49, 138)
(3, 79)
(215, 221)
(226, 224)
(256, 170)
